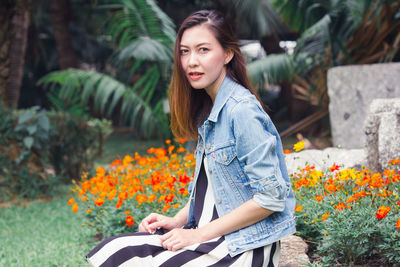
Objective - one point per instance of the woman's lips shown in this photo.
(195, 75)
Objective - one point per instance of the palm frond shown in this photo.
(107, 92)
(272, 68)
(260, 15)
(147, 49)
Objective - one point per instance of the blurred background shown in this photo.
(82, 81)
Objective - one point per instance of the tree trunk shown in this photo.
(61, 14)
(14, 21)
(7, 9)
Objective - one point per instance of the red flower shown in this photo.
(99, 201)
(340, 206)
(129, 220)
(382, 212)
(398, 224)
(334, 167)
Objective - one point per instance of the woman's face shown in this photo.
(203, 59)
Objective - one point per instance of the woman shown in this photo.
(241, 201)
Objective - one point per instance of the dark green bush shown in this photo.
(40, 149)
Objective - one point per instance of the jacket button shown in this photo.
(218, 200)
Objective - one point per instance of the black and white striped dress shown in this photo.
(145, 249)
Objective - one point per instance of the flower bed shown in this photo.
(119, 196)
(349, 216)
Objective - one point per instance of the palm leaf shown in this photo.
(105, 90)
(277, 67)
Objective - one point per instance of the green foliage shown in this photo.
(143, 36)
(75, 142)
(40, 149)
(351, 215)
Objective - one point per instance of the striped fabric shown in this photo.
(145, 249)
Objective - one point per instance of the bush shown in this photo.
(353, 215)
(117, 197)
(39, 149)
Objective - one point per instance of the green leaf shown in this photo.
(28, 142)
(32, 129)
(24, 117)
(44, 123)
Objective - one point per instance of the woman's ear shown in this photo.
(228, 56)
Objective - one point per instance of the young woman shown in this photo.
(241, 202)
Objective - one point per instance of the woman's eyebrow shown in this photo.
(200, 44)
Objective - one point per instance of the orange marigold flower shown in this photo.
(75, 207)
(340, 206)
(351, 199)
(70, 201)
(123, 195)
(170, 149)
(100, 172)
(168, 141)
(184, 179)
(325, 216)
(319, 197)
(119, 204)
(176, 206)
(334, 167)
(382, 212)
(298, 208)
(88, 211)
(180, 150)
(127, 212)
(166, 207)
(287, 151)
(151, 198)
(100, 201)
(182, 140)
(394, 161)
(84, 198)
(398, 224)
(141, 198)
(116, 162)
(129, 220)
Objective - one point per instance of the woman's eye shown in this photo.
(204, 49)
(184, 51)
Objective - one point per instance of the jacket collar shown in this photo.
(223, 94)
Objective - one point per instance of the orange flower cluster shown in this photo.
(344, 188)
(158, 181)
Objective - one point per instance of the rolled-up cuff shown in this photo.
(267, 200)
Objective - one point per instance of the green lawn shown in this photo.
(43, 233)
(48, 233)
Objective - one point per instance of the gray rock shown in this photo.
(323, 159)
(293, 252)
(351, 89)
(382, 130)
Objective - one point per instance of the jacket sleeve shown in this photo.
(256, 150)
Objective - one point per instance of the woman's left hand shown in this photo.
(178, 238)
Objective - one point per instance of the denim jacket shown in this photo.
(245, 161)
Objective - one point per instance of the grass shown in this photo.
(43, 233)
(48, 233)
(121, 144)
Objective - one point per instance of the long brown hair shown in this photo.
(189, 107)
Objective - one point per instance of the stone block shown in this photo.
(382, 131)
(351, 90)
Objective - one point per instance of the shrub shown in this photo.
(117, 197)
(353, 215)
(38, 149)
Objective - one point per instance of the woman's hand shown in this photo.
(179, 238)
(155, 220)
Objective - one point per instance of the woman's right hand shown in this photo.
(155, 220)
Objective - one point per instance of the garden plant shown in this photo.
(348, 216)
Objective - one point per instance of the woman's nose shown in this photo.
(193, 60)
